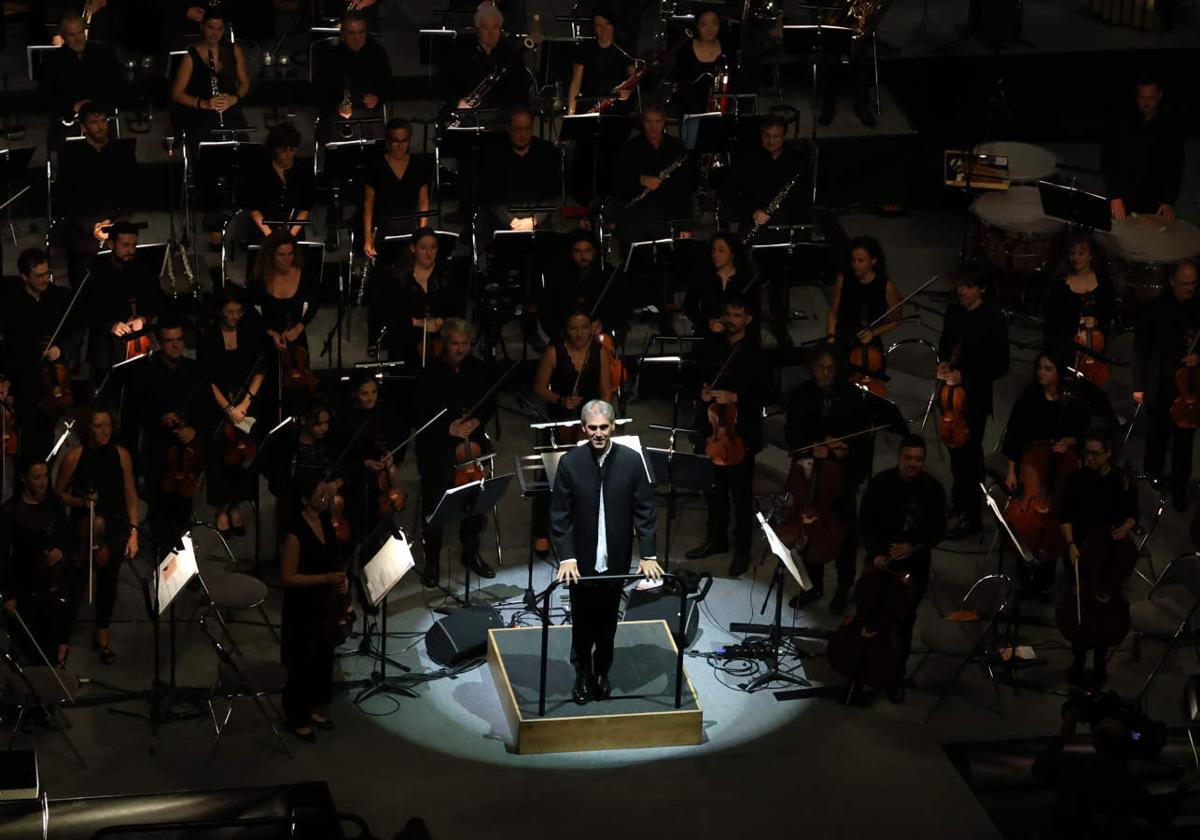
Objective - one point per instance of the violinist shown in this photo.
(395, 186)
(577, 286)
(411, 300)
(286, 296)
(1046, 410)
(974, 353)
(1100, 509)
(1164, 344)
(574, 369)
(728, 276)
(38, 575)
(862, 293)
(231, 358)
(902, 518)
(101, 471)
(301, 451)
(122, 301)
(456, 381)
(825, 407)
(169, 400)
(365, 430)
(736, 383)
(1081, 299)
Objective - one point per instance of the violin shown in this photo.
(391, 499)
(57, 397)
(866, 648)
(240, 447)
(953, 429)
(1089, 364)
(1042, 477)
(811, 523)
(138, 343)
(339, 606)
(619, 373)
(182, 473)
(337, 518)
(1095, 613)
(1185, 411)
(294, 367)
(467, 463)
(867, 368)
(723, 446)
(93, 542)
(10, 421)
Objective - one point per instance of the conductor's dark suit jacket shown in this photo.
(628, 506)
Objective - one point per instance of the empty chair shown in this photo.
(1168, 611)
(37, 689)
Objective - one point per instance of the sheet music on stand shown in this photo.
(784, 554)
(390, 564)
(174, 572)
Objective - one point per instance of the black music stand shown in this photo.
(14, 168)
(221, 171)
(820, 44)
(714, 132)
(348, 126)
(1077, 207)
(535, 476)
(678, 470)
(391, 559)
(595, 128)
(345, 166)
(464, 142)
(477, 498)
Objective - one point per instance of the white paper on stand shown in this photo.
(784, 555)
(174, 572)
(387, 567)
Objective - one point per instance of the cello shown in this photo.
(866, 648)
(1088, 362)
(723, 445)
(1185, 410)
(1095, 613)
(1042, 477)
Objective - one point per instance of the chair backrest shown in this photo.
(1152, 501)
(989, 595)
(224, 658)
(1184, 571)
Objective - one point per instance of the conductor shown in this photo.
(601, 497)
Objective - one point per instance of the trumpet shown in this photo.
(87, 14)
(214, 85)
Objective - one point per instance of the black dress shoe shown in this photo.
(480, 568)
(707, 549)
(741, 562)
(600, 687)
(803, 599)
(581, 693)
(837, 604)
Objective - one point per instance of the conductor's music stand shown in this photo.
(476, 498)
(390, 561)
(1076, 206)
(678, 470)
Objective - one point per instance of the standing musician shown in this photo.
(575, 369)
(101, 471)
(831, 77)
(366, 430)
(286, 298)
(96, 184)
(577, 285)
(411, 299)
(315, 583)
(523, 171)
(758, 175)
(30, 310)
(1098, 503)
(396, 185)
(36, 564)
(474, 57)
(354, 78)
(75, 74)
(211, 82)
(707, 292)
(862, 293)
(1079, 299)
(456, 380)
(232, 358)
(170, 400)
(279, 190)
(1164, 343)
(742, 389)
(974, 353)
(825, 407)
(640, 164)
(302, 451)
(122, 301)
(601, 497)
(697, 64)
(1046, 410)
(1143, 162)
(902, 518)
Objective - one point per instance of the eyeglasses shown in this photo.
(1094, 453)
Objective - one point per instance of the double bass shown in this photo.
(1095, 613)
(1042, 477)
(810, 522)
(866, 647)
(1089, 363)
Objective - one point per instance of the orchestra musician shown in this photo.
(36, 567)
(286, 297)
(251, 20)
(1164, 332)
(353, 78)
(232, 358)
(578, 286)
(601, 497)
(742, 388)
(1081, 298)
(215, 62)
(575, 369)
(1046, 410)
(122, 301)
(411, 299)
(366, 430)
(396, 185)
(104, 18)
(825, 407)
(902, 518)
(1143, 162)
(80, 71)
(759, 174)
(730, 276)
(475, 56)
(303, 450)
(523, 172)
(831, 75)
(1103, 500)
(862, 293)
(279, 190)
(456, 380)
(96, 185)
(973, 349)
(640, 164)
(697, 64)
(101, 471)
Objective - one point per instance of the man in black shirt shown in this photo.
(353, 79)
(974, 353)
(474, 57)
(639, 168)
(1143, 163)
(77, 73)
(123, 299)
(1162, 344)
(742, 386)
(522, 172)
(577, 286)
(759, 175)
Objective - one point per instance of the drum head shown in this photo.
(1016, 210)
(1026, 162)
(1148, 239)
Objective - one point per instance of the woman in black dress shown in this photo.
(708, 289)
(199, 110)
(1046, 410)
(101, 471)
(1080, 298)
(862, 293)
(411, 299)
(365, 430)
(396, 185)
(696, 64)
(279, 189)
(233, 361)
(315, 584)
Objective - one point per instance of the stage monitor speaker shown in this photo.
(996, 21)
(462, 635)
(19, 776)
(663, 603)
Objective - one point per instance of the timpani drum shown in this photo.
(1142, 250)
(1017, 237)
(1026, 163)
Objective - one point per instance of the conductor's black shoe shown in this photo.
(741, 562)
(803, 599)
(707, 549)
(837, 604)
(581, 692)
(600, 687)
(479, 567)
(430, 575)
(896, 694)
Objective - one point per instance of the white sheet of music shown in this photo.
(387, 567)
(784, 554)
(174, 572)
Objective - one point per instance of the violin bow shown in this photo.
(66, 314)
(413, 436)
(850, 436)
(91, 549)
(903, 301)
(724, 365)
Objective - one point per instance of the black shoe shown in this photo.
(600, 688)
(324, 723)
(430, 575)
(825, 117)
(309, 737)
(741, 562)
(707, 549)
(866, 114)
(803, 599)
(480, 568)
(896, 695)
(581, 693)
(837, 604)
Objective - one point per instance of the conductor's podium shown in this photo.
(640, 712)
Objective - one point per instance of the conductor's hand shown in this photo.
(650, 569)
(1118, 208)
(1166, 212)
(568, 572)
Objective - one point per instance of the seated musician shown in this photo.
(825, 407)
(30, 311)
(409, 301)
(279, 190)
(522, 172)
(1164, 343)
(250, 20)
(97, 184)
(353, 79)
(696, 66)
(365, 430)
(1143, 161)
(578, 286)
(862, 293)
(169, 400)
(1080, 299)
(233, 362)
(37, 573)
(302, 450)
(476, 56)
(1099, 503)
(758, 175)
(1046, 410)
(574, 369)
(456, 381)
(121, 303)
(99, 19)
(78, 72)
(742, 388)
(729, 276)
(395, 188)
(211, 82)
(640, 166)
(902, 518)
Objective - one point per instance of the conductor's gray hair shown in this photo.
(486, 10)
(597, 407)
(455, 326)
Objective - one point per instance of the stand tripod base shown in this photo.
(379, 684)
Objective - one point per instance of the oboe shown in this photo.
(215, 86)
(770, 209)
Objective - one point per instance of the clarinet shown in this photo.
(214, 86)
(662, 176)
(770, 209)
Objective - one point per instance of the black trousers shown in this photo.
(847, 509)
(309, 683)
(967, 469)
(594, 608)
(918, 568)
(831, 75)
(732, 489)
(433, 484)
(1159, 432)
(105, 584)
(49, 622)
